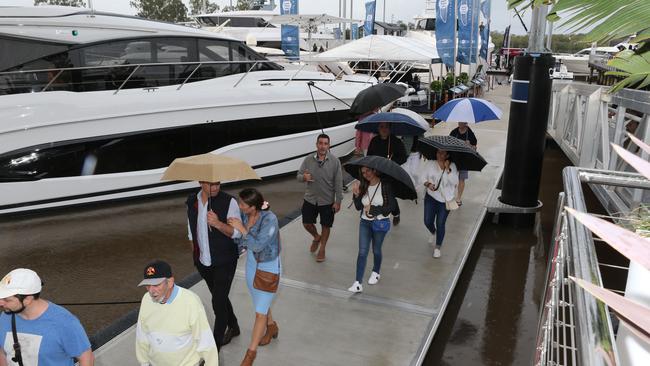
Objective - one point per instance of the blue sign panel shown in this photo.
(369, 24)
(445, 29)
(290, 33)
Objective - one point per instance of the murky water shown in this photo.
(96, 254)
(493, 314)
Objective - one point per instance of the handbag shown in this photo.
(264, 280)
(451, 205)
(381, 226)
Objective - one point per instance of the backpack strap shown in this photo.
(18, 357)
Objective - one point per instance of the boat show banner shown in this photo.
(355, 31)
(485, 30)
(467, 31)
(445, 31)
(290, 33)
(369, 24)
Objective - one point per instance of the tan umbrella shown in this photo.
(209, 168)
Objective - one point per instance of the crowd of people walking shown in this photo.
(172, 326)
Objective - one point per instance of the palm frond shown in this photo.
(634, 66)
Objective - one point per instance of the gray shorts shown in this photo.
(463, 174)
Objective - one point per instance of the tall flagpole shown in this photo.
(455, 40)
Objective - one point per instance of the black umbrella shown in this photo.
(375, 97)
(401, 181)
(460, 153)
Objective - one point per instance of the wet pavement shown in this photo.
(493, 314)
(95, 254)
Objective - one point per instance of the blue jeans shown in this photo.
(435, 217)
(366, 236)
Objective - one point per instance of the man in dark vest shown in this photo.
(215, 252)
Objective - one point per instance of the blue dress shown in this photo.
(263, 233)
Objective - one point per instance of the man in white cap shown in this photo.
(172, 326)
(34, 331)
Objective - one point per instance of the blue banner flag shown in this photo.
(337, 33)
(468, 28)
(485, 30)
(369, 24)
(355, 31)
(290, 33)
(445, 30)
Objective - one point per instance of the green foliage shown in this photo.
(196, 7)
(436, 86)
(463, 78)
(448, 81)
(76, 3)
(561, 43)
(164, 10)
(241, 5)
(610, 19)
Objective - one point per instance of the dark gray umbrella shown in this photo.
(375, 97)
(460, 153)
(399, 178)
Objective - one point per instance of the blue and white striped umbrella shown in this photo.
(470, 110)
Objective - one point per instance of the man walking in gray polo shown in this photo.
(322, 174)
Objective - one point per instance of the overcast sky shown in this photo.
(403, 10)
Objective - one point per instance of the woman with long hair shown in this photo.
(440, 178)
(261, 235)
(374, 198)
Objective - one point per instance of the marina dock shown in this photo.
(391, 323)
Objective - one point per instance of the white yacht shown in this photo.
(578, 63)
(255, 27)
(94, 106)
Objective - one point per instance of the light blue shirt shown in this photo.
(52, 339)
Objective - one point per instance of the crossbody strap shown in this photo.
(18, 357)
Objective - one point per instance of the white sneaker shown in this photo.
(374, 278)
(356, 287)
(436, 253)
(432, 238)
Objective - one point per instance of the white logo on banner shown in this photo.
(369, 18)
(444, 9)
(286, 5)
(464, 10)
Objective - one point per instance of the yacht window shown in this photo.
(16, 52)
(173, 50)
(431, 25)
(118, 53)
(212, 50)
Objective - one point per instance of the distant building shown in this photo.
(388, 29)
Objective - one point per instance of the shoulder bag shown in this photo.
(18, 357)
(450, 205)
(264, 280)
(383, 225)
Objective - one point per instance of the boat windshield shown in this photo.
(229, 21)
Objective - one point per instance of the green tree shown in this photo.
(165, 10)
(610, 19)
(196, 7)
(76, 3)
(241, 5)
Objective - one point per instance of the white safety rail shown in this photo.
(585, 119)
(575, 328)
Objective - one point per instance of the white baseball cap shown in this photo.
(20, 281)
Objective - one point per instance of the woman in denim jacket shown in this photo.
(374, 198)
(260, 234)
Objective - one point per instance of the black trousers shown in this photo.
(219, 278)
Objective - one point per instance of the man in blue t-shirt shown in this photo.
(48, 334)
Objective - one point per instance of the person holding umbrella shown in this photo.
(389, 146)
(440, 180)
(464, 133)
(215, 252)
(379, 182)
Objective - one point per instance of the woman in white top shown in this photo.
(374, 198)
(440, 179)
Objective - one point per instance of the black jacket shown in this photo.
(222, 248)
(379, 147)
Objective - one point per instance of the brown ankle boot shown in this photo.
(272, 331)
(249, 358)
